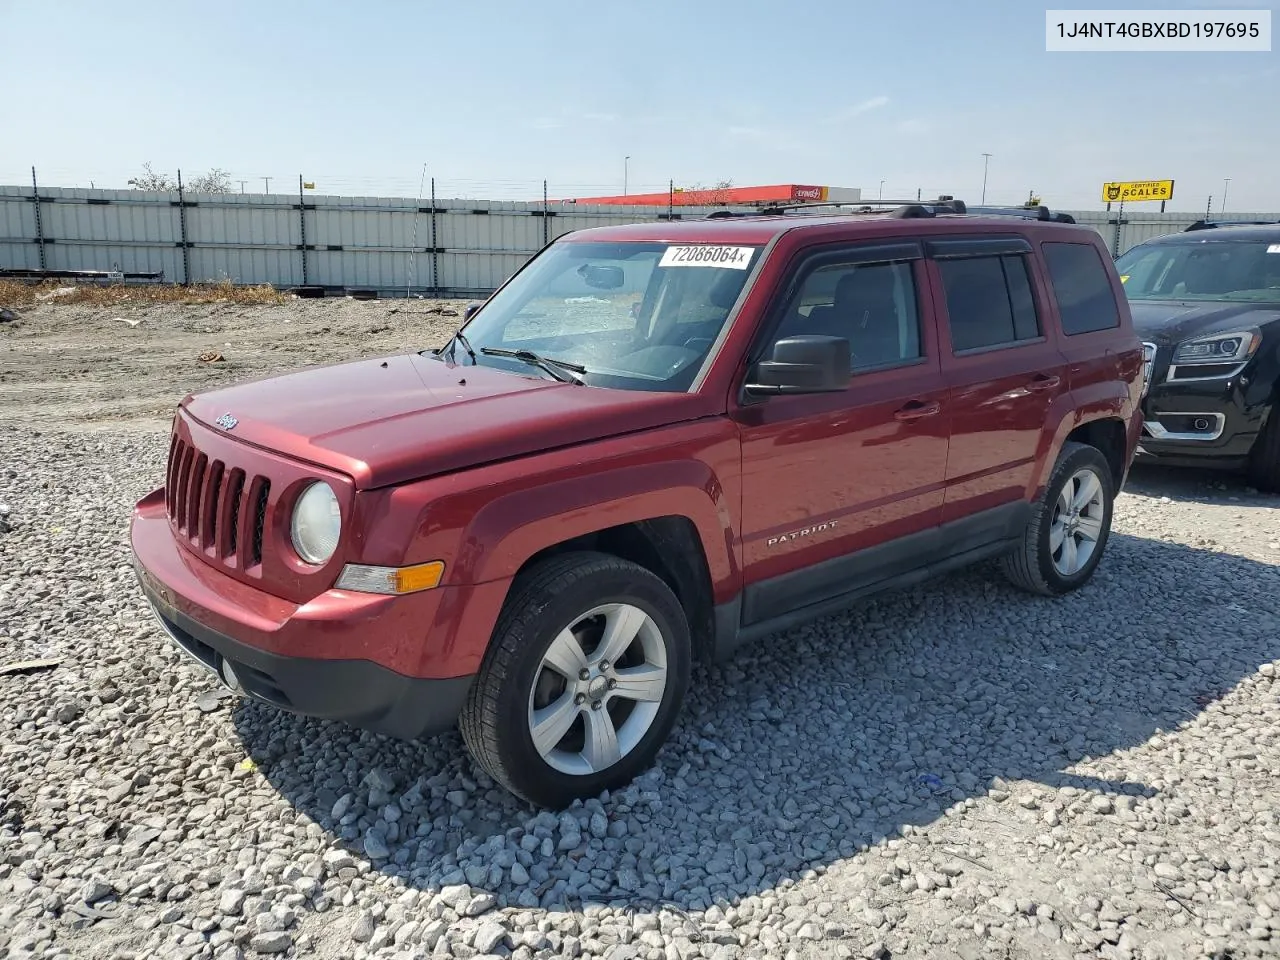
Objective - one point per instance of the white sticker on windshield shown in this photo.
(1274, 248)
(730, 258)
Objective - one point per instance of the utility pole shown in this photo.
(881, 197)
(1224, 195)
(986, 160)
(242, 183)
(626, 161)
(266, 184)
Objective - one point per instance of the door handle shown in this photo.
(1042, 383)
(916, 409)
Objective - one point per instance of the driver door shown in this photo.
(844, 490)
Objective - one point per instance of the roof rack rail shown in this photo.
(1028, 212)
(900, 208)
(1212, 224)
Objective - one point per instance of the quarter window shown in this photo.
(1082, 288)
(989, 302)
(872, 305)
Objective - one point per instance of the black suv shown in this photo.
(1206, 303)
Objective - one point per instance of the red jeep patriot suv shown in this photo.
(653, 443)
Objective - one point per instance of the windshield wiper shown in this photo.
(460, 338)
(557, 368)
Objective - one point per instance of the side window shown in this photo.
(872, 305)
(1086, 301)
(989, 301)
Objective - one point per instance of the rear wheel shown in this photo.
(1264, 459)
(1069, 528)
(582, 681)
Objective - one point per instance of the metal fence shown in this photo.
(393, 246)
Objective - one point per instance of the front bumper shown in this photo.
(396, 665)
(357, 692)
(1204, 423)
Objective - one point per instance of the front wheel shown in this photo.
(1069, 527)
(583, 679)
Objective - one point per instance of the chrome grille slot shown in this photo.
(231, 508)
(262, 492)
(195, 492)
(209, 509)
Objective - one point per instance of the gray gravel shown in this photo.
(952, 771)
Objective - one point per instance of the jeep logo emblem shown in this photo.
(226, 421)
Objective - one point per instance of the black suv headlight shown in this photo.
(1235, 347)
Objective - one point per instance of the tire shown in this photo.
(567, 603)
(1264, 459)
(1039, 567)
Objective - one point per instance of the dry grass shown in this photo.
(15, 293)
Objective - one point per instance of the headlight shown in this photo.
(317, 523)
(1234, 347)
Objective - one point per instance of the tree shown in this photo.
(216, 180)
(150, 180)
(710, 196)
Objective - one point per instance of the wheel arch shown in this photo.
(668, 547)
(1109, 437)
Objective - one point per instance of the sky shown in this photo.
(490, 98)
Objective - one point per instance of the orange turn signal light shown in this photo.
(391, 580)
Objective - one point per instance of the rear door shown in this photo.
(840, 490)
(1004, 371)
(1103, 354)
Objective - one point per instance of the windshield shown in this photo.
(1212, 270)
(630, 315)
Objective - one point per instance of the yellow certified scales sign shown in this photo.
(1130, 191)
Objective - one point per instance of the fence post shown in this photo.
(302, 227)
(671, 199)
(35, 198)
(546, 219)
(182, 226)
(435, 247)
(1115, 242)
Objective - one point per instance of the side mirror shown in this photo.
(804, 364)
(470, 309)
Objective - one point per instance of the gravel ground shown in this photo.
(954, 771)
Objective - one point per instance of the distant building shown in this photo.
(722, 196)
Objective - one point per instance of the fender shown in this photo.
(1109, 400)
(487, 522)
(512, 528)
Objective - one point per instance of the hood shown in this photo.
(1172, 321)
(393, 419)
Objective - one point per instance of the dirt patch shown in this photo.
(85, 366)
(17, 294)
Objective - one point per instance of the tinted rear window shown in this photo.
(1082, 288)
(989, 302)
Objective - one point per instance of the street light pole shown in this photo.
(986, 160)
(1224, 194)
(881, 197)
(266, 184)
(626, 161)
